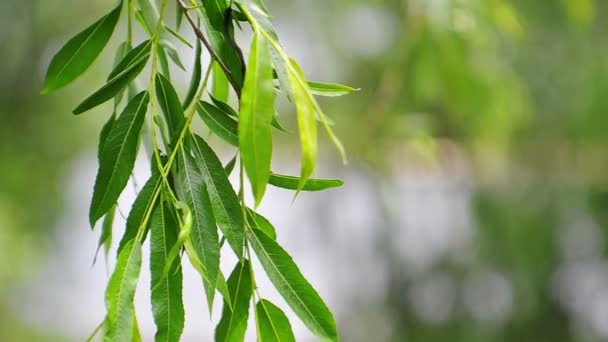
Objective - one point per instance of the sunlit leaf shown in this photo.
(219, 122)
(119, 78)
(293, 287)
(257, 111)
(77, 55)
(273, 325)
(312, 184)
(330, 89)
(233, 323)
(220, 86)
(191, 189)
(167, 305)
(260, 222)
(120, 294)
(225, 202)
(118, 157)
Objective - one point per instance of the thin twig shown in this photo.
(201, 36)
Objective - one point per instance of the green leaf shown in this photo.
(293, 183)
(105, 239)
(144, 203)
(103, 136)
(177, 35)
(77, 55)
(230, 166)
(273, 325)
(170, 105)
(121, 52)
(120, 294)
(164, 62)
(221, 37)
(225, 202)
(260, 222)
(149, 13)
(195, 81)
(219, 123)
(222, 288)
(119, 78)
(293, 287)
(307, 125)
(167, 304)
(172, 53)
(330, 89)
(257, 111)
(118, 157)
(191, 189)
(223, 106)
(233, 323)
(220, 87)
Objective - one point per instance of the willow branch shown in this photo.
(201, 36)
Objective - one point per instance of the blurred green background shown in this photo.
(475, 209)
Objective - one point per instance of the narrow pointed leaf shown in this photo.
(77, 55)
(119, 79)
(195, 81)
(150, 13)
(103, 136)
(224, 201)
(177, 35)
(219, 123)
(164, 62)
(170, 105)
(123, 49)
(312, 184)
(330, 89)
(293, 287)
(105, 239)
(144, 203)
(167, 304)
(257, 111)
(222, 288)
(230, 166)
(233, 323)
(223, 106)
(118, 157)
(260, 222)
(172, 53)
(120, 294)
(204, 236)
(307, 125)
(273, 325)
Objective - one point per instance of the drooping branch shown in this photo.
(201, 36)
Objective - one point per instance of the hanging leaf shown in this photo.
(293, 183)
(118, 157)
(149, 13)
(230, 166)
(120, 294)
(77, 55)
(223, 106)
(123, 49)
(172, 53)
(167, 305)
(330, 89)
(191, 189)
(260, 222)
(220, 87)
(177, 35)
(164, 62)
(105, 239)
(119, 78)
(293, 287)
(103, 136)
(170, 105)
(225, 203)
(273, 325)
(307, 124)
(257, 111)
(233, 323)
(144, 203)
(195, 81)
(219, 123)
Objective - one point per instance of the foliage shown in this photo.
(188, 206)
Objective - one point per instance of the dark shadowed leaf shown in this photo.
(77, 55)
(273, 325)
(225, 203)
(257, 111)
(119, 78)
(293, 287)
(170, 105)
(233, 323)
(118, 157)
(219, 122)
